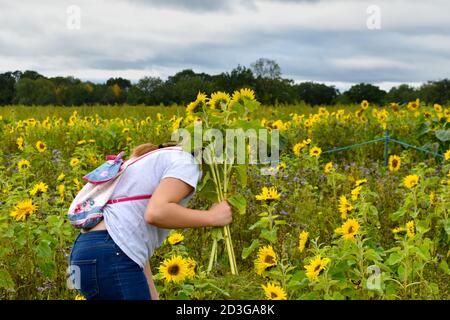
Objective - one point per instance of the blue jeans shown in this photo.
(102, 271)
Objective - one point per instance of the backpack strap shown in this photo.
(112, 201)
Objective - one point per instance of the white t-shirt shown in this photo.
(125, 220)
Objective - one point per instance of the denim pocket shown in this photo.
(87, 273)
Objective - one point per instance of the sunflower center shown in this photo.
(350, 229)
(317, 268)
(273, 295)
(269, 259)
(394, 163)
(173, 270)
(41, 146)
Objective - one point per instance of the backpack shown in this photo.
(86, 210)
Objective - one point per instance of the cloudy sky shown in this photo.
(320, 40)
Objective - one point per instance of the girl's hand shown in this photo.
(220, 214)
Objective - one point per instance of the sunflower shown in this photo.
(19, 143)
(297, 148)
(23, 209)
(307, 142)
(274, 292)
(39, 187)
(241, 95)
(266, 259)
(219, 100)
(268, 194)
(40, 146)
(74, 162)
(411, 181)
(23, 164)
(80, 142)
(191, 267)
(360, 182)
(437, 107)
(349, 229)
(355, 192)
(447, 155)
(174, 269)
(197, 104)
(281, 166)
(344, 207)
(414, 105)
(61, 188)
(328, 167)
(315, 152)
(314, 268)
(410, 229)
(175, 238)
(394, 163)
(397, 230)
(61, 177)
(364, 104)
(77, 184)
(302, 239)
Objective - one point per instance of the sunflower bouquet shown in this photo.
(218, 116)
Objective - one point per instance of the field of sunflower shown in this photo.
(335, 225)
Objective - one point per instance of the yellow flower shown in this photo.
(174, 269)
(191, 265)
(394, 163)
(268, 194)
(303, 238)
(74, 162)
(349, 229)
(432, 198)
(410, 229)
(40, 146)
(61, 177)
(23, 164)
(411, 181)
(360, 182)
(364, 104)
(91, 141)
(266, 259)
(274, 292)
(437, 107)
(314, 268)
(447, 155)
(40, 187)
(328, 167)
(344, 207)
(219, 100)
(125, 130)
(281, 166)
(23, 209)
(19, 143)
(297, 148)
(414, 105)
(61, 188)
(79, 297)
(81, 142)
(175, 238)
(77, 184)
(241, 95)
(356, 192)
(307, 142)
(315, 152)
(397, 230)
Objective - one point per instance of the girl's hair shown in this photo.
(148, 147)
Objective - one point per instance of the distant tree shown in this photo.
(316, 93)
(35, 92)
(239, 77)
(436, 92)
(124, 84)
(274, 91)
(7, 88)
(148, 90)
(363, 91)
(266, 68)
(184, 86)
(29, 74)
(402, 94)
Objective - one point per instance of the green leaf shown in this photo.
(443, 135)
(269, 235)
(447, 226)
(444, 267)
(248, 250)
(239, 202)
(43, 249)
(423, 129)
(6, 281)
(394, 258)
(241, 172)
(398, 214)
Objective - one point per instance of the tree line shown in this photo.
(263, 76)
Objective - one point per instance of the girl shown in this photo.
(112, 258)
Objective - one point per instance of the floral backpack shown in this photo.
(86, 210)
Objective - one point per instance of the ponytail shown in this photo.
(148, 147)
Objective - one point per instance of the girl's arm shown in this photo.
(151, 284)
(164, 211)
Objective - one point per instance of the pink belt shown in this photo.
(112, 201)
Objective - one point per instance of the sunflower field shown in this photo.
(324, 225)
